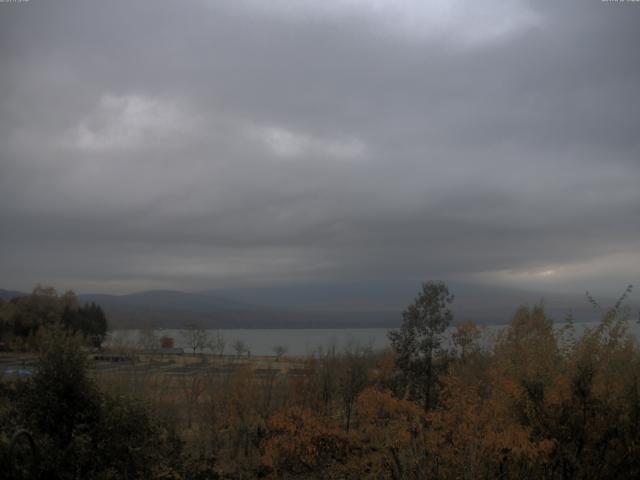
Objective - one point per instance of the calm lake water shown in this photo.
(307, 341)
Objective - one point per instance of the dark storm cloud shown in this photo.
(206, 144)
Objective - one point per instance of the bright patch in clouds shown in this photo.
(546, 273)
(131, 121)
(581, 274)
(287, 144)
(463, 21)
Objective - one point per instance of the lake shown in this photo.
(306, 341)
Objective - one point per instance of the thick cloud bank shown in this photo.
(210, 144)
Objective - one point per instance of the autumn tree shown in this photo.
(352, 379)
(148, 337)
(303, 444)
(195, 337)
(316, 384)
(420, 337)
(389, 441)
(466, 337)
(325, 377)
(279, 351)
(192, 386)
(240, 347)
(591, 407)
(244, 423)
(217, 343)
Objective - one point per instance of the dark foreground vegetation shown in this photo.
(538, 403)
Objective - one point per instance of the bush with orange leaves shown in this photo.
(303, 444)
(476, 433)
(542, 407)
(389, 441)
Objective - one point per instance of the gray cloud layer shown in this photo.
(205, 144)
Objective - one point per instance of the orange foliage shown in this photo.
(389, 441)
(302, 442)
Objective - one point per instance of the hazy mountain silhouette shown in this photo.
(9, 294)
(317, 306)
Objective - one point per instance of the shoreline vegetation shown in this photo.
(540, 402)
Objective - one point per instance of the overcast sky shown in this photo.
(207, 144)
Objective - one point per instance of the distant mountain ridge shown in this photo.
(174, 309)
(298, 307)
(9, 294)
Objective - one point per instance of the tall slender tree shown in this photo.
(420, 338)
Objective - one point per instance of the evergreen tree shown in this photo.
(420, 337)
